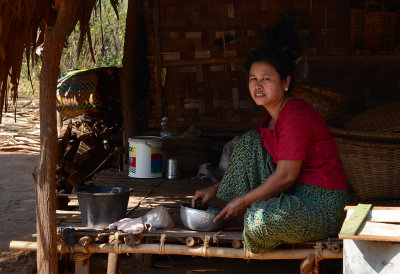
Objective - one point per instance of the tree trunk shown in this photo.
(45, 180)
(45, 177)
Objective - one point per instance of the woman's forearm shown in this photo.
(270, 188)
(284, 176)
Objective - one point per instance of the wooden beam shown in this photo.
(157, 58)
(45, 174)
(130, 68)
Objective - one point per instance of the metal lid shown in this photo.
(144, 139)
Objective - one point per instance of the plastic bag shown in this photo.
(227, 152)
(192, 131)
(207, 172)
(129, 225)
(158, 218)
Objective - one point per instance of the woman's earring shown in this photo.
(286, 89)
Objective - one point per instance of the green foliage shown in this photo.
(197, 205)
(107, 33)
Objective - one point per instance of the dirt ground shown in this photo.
(17, 207)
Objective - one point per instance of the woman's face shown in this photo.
(266, 86)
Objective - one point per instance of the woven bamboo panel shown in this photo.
(202, 45)
(196, 50)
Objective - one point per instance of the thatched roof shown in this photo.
(22, 27)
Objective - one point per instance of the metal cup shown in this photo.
(173, 169)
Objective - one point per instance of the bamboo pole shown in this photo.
(174, 249)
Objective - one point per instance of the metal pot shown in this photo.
(102, 205)
(200, 220)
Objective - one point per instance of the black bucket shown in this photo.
(102, 205)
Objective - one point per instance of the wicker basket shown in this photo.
(371, 162)
(372, 27)
(327, 106)
(335, 95)
(383, 118)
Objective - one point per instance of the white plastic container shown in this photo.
(145, 157)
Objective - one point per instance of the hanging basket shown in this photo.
(373, 27)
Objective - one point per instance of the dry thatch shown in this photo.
(22, 27)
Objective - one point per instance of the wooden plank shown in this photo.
(382, 215)
(375, 208)
(376, 232)
(68, 212)
(353, 223)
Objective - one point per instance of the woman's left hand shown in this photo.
(234, 208)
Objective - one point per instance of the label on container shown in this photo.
(156, 160)
(132, 159)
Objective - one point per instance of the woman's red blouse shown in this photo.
(300, 133)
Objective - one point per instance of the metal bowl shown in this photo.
(200, 220)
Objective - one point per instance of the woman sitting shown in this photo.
(286, 177)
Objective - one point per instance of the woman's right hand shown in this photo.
(205, 194)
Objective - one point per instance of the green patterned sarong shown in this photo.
(302, 213)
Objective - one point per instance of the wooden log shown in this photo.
(85, 241)
(132, 239)
(237, 244)
(191, 241)
(173, 249)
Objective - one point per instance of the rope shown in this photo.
(81, 257)
(246, 253)
(215, 237)
(317, 257)
(162, 243)
(117, 249)
(206, 246)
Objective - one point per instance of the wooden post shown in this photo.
(112, 263)
(113, 258)
(82, 265)
(45, 176)
(129, 72)
(45, 179)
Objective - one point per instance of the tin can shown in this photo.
(173, 169)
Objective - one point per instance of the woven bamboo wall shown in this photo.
(196, 50)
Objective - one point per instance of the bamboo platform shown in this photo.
(149, 193)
